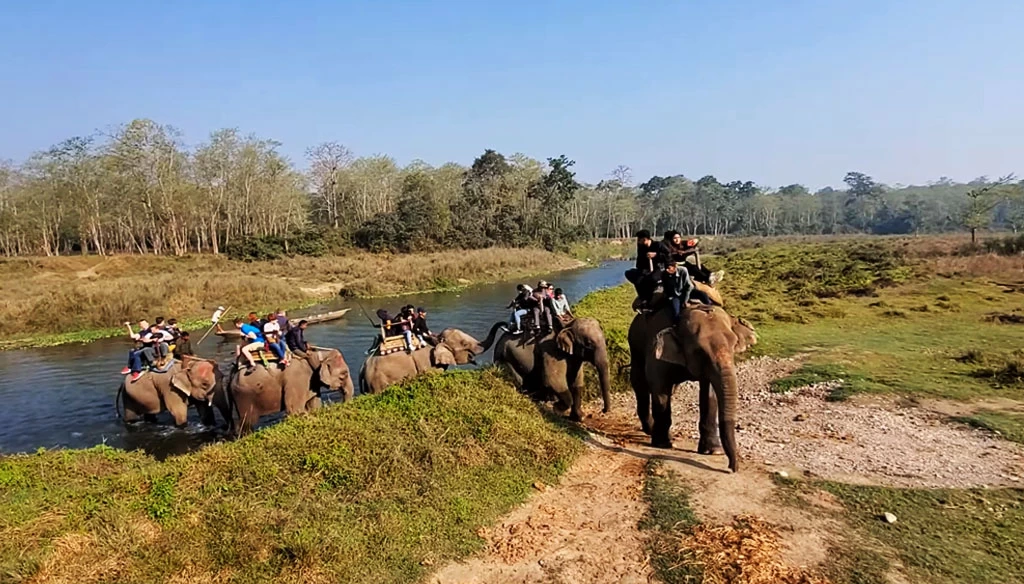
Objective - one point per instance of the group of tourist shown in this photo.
(664, 263)
(409, 322)
(545, 303)
(276, 333)
(154, 343)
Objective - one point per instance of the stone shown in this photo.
(889, 517)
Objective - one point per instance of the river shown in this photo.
(63, 397)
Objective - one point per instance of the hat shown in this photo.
(421, 309)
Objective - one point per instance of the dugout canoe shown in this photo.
(312, 319)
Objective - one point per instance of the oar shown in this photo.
(215, 321)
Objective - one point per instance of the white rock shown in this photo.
(782, 474)
(890, 518)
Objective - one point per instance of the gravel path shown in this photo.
(876, 443)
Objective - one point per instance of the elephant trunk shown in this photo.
(726, 392)
(490, 337)
(601, 363)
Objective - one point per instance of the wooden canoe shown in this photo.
(312, 319)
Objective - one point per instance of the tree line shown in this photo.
(140, 189)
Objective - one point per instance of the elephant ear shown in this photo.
(565, 340)
(182, 383)
(443, 355)
(746, 337)
(668, 348)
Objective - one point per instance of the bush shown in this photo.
(308, 242)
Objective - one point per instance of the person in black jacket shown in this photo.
(650, 261)
(519, 305)
(296, 340)
(677, 250)
(419, 326)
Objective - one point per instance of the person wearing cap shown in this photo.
(519, 307)
(419, 326)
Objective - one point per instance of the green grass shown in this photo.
(1009, 425)
(374, 491)
(669, 517)
(970, 536)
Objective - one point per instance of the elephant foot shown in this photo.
(734, 465)
(560, 407)
(709, 448)
(665, 444)
(575, 417)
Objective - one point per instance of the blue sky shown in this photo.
(771, 91)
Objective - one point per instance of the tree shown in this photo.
(977, 213)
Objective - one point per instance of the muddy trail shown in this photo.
(587, 528)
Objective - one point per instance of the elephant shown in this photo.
(702, 347)
(192, 381)
(450, 347)
(295, 389)
(553, 363)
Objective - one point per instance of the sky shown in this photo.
(778, 92)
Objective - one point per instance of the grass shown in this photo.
(943, 535)
(1009, 425)
(376, 490)
(669, 516)
(47, 301)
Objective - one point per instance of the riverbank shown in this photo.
(376, 490)
(54, 301)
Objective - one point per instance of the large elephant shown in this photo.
(553, 363)
(295, 389)
(451, 347)
(193, 381)
(700, 348)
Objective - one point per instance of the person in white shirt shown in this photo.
(561, 306)
(272, 333)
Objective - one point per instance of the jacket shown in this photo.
(645, 264)
(296, 339)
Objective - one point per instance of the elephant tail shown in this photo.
(119, 402)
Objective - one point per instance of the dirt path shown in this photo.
(586, 528)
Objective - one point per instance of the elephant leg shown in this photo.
(662, 409)
(574, 378)
(179, 410)
(642, 391)
(247, 416)
(708, 425)
(313, 403)
(133, 412)
(206, 416)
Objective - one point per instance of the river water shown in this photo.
(64, 396)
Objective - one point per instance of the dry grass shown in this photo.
(747, 552)
(69, 294)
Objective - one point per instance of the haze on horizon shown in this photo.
(802, 93)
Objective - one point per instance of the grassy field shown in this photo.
(377, 490)
(48, 301)
(898, 315)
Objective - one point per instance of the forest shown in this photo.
(140, 189)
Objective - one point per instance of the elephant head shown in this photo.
(705, 342)
(442, 356)
(333, 372)
(584, 339)
(463, 347)
(197, 378)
